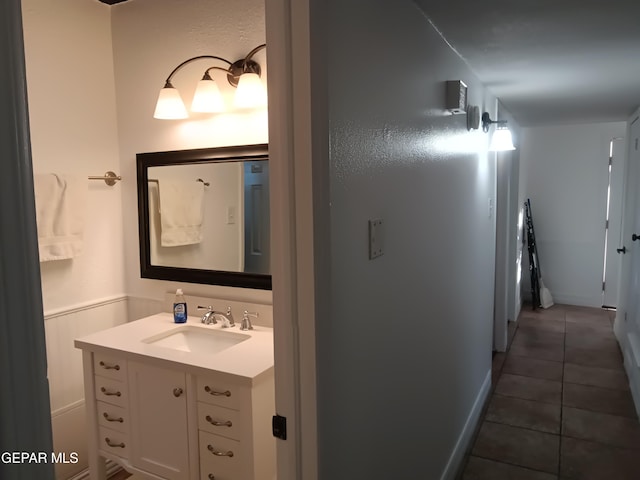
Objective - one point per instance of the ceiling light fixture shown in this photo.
(501, 139)
(243, 74)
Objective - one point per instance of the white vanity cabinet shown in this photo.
(174, 416)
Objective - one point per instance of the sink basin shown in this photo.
(197, 340)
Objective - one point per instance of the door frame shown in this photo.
(298, 153)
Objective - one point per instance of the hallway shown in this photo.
(560, 407)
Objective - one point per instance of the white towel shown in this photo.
(60, 208)
(181, 212)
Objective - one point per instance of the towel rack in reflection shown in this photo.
(206, 184)
(110, 178)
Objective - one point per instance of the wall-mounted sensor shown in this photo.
(456, 97)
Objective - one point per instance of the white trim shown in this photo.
(634, 344)
(464, 440)
(68, 408)
(60, 312)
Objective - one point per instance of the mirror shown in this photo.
(203, 216)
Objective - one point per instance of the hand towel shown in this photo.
(60, 212)
(181, 212)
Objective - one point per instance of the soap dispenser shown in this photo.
(179, 307)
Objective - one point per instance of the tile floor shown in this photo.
(560, 407)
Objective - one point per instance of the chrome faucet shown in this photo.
(210, 317)
(246, 321)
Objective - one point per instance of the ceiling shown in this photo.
(549, 61)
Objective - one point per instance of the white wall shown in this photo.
(73, 131)
(404, 357)
(564, 172)
(150, 38)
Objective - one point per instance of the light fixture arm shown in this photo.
(486, 122)
(199, 57)
(206, 75)
(254, 51)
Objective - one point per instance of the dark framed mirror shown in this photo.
(203, 216)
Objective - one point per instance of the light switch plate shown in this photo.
(231, 215)
(376, 238)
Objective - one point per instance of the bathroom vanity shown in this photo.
(180, 401)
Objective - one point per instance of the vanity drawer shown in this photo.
(113, 417)
(219, 420)
(222, 466)
(111, 391)
(116, 443)
(216, 392)
(111, 367)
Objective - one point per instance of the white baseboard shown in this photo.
(464, 440)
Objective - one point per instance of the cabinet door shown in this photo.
(159, 441)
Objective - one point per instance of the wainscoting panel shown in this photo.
(66, 388)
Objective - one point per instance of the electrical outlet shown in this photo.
(376, 238)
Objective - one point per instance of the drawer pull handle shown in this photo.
(219, 454)
(216, 423)
(115, 445)
(211, 476)
(177, 392)
(109, 366)
(112, 419)
(110, 393)
(226, 393)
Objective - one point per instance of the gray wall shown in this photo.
(406, 350)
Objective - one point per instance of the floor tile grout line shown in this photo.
(601, 443)
(611, 389)
(589, 410)
(512, 464)
(529, 429)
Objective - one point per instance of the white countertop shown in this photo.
(248, 359)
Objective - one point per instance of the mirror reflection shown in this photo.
(205, 214)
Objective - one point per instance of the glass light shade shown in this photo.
(251, 92)
(170, 105)
(207, 97)
(501, 140)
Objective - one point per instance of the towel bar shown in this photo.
(110, 178)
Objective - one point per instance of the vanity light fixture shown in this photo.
(501, 139)
(244, 74)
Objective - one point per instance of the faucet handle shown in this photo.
(208, 308)
(246, 321)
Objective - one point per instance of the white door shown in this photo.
(633, 247)
(613, 221)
